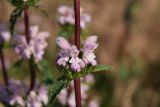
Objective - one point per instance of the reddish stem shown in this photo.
(77, 83)
(5, 75)
(28, 37)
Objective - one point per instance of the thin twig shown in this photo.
(31, 66)
(4, 70)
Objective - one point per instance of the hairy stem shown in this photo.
(4, 70)
(28, 36)
(77, 83)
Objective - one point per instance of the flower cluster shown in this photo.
(35, 47)
(67, 96)
(39, 99)
(75, 59)
(67, 16)
(14, 95)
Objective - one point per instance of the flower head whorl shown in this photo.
(35, 47)
(71, 57)
(67, 16)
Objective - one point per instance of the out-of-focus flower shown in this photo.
(39, 98)
(12, 94)
(69, 55)
(17, 100)
(5, 36)
(93, 103)
(63, 97)
(35, 47)
(67, 16)
(43, 95)
(67, 96)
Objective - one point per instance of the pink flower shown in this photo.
(70, 54)
(63, 97)
(17, 100)
(67, 16)
(76, 62)
(43, 95)
(5, 35)
(65, 51)
(35, 47)
(63, 43)
(93, 104)
(89, 46)
(22, 48)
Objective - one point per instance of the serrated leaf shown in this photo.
(13, 19)
(57, 87)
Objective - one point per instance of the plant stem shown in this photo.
(77, 84)
(4, 70)
(28, 37)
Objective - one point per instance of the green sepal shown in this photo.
(86, 70)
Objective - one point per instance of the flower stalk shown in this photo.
(4, 70)
(77, 83)
(28, 36)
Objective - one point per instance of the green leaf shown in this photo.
(61, 83)
(23, 4)
(102, 68)
(13, 19)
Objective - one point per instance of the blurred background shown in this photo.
(129, 40)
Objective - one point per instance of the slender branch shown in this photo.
(28, 37)
(77, 84)
(4, 70)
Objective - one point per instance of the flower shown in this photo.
(65, 51)
(13, 95)
(63, 97)
(35, 47)
(76, 62)
(67, 16)
(43, 95)
(89, 46)
(5, 35)
(17, 100)
(93, 104)
(70, 57)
